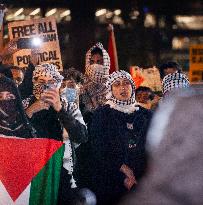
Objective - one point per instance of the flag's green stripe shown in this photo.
(44, 187)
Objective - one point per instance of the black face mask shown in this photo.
(13, 121)
(10, 118)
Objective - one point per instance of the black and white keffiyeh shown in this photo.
(95, 78)
(45, 70)
(127, 106)
(97, 72)
(175, 80)
(106, 58)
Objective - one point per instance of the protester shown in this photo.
(13, 121)
(96, 71)
(176, 156)
(70, 90)
(117, 134)
(93, 95)
(72, 85)
(169, 68)
(49, 114)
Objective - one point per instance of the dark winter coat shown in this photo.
(49, 124)
(117, 138)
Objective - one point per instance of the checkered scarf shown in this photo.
(95, 77)
(45, 70)
(175, 80)
(106, 58)
(127, 106)
(97, 72)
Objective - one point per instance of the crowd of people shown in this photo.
(103, 120)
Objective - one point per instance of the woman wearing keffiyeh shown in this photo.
(50, 114)
(97, 67)
(118, 132)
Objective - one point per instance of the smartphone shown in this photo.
(71, 94)
(49, 86)
(28, 43)
(45, 88)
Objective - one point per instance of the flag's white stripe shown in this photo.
(5, 198)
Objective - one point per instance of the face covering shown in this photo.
(13, 121)
(71, 94)
(45, 70)
(10, 118)
(97, 73)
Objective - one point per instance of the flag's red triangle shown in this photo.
(22, 159)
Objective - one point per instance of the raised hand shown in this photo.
(52, 97)
(36, 107)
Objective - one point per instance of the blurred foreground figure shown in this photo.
(175, 174)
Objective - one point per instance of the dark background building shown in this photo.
(148, 32)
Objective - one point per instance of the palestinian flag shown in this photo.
(29, 170)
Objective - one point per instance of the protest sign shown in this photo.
(196, 63)
(39, 35)
(148, 77)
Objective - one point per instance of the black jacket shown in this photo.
(117, 138)
(50, 124)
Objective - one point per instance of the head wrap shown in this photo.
(106, 58)
(97, 72)
(45, 70)
(175, 80)
(94, 79)
(127, 106)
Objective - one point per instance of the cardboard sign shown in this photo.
(38, 35)
(196, 63)
(149, 77)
